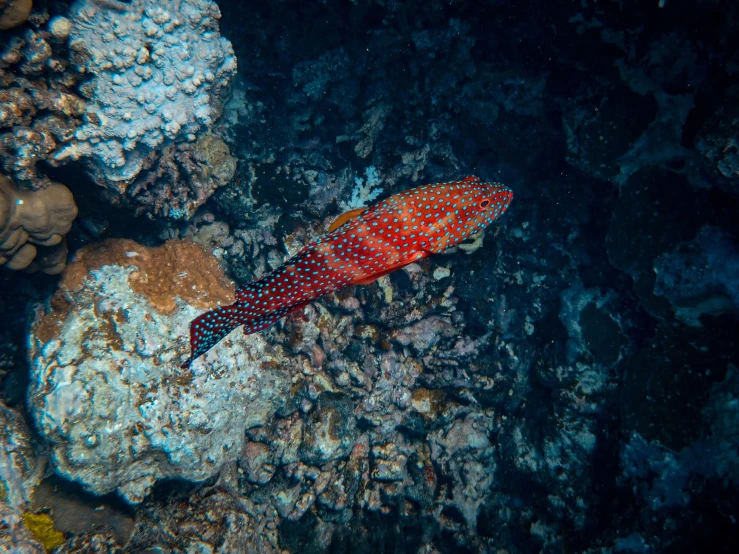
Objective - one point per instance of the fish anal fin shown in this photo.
(343, 218)
(271, 319)
(259, 325)
(366, 280)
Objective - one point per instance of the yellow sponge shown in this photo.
(41, 526)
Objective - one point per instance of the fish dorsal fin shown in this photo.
(375, 276)
(343, 218)
(471, 179)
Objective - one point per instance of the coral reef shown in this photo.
(106, 390)
(158, 70)
(147, 104)
(20, 469)
(567, 384)
(39, 106)
(176, 181)
(210, 521)
(33, 226)
(718, 142)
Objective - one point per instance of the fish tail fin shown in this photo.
(249, 310)
(208, 329)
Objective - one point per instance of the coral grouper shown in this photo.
(361, 246)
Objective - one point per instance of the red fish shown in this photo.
(361, 246)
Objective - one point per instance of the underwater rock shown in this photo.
(644, 211)
(659, 475)
(330, 431)
(722, 413)
(466, 454)
(718, 142)
(207, 521)
(91, 542)
(15, 537)
(106, 390)
(591, 328)
(177, 180)
(159, 69)
(20, 469)
(598, 138)
(663, 477)
(700, 277)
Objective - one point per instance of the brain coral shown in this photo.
(106, 391)
(158, 66)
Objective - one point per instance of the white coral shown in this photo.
(118, 413)
(365, 190)
(150, 58)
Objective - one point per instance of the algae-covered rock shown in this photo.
(331, 430)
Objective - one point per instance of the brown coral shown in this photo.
(33, 225)
(38, 109)
(13, 13)
(178, 268)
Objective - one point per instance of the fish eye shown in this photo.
(484, 203)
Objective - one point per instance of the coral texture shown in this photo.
(701, 277)
(20, 470)
(14, 12)
(20, 473)
(106, 390)
(39, 107)
(33, 225)
(158, 67)
(15, 537)
(178, 180)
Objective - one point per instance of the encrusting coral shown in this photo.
(33, 225)
(14, 13)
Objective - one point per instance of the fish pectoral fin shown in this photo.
(366, 280)
(343, 218)
(372, 278)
